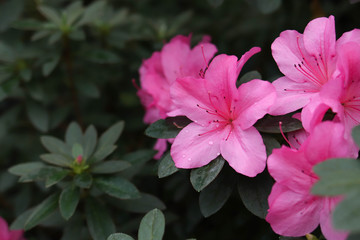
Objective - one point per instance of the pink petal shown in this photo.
(174, 56)
(199, 58)
(160, 146)
(291, 168)
(190, 150)
(291, 95)
(4, 230)
(348, 64)
(244, 150)
(326, 223)
(313, 113)
(320, 38)
(255, 99)
(246, 56)
(292, 214)
(297, 138)
(351, 36)
(16, 235)
(192, 101)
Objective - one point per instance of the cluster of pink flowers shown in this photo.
(322, 74)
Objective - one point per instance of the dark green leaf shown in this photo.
(268, 6)
(163, 128)
(68, 201)
(56, 159)
(49, 66)
(270, 124)
(56, 176)
(152, 226)
(38, 116)
(254, 193)
(88, 89)
(77, 150)
(26, 168)
(43, 210)
(101, 153)
(50, 14)
(111, 166)
(201, 177)
(354, 236)
(110, 136)
(55, 145)
(214, 196)
(346, 215)
(270, 143)
(119, 236)
(166, 166)
(101, 56)
(83, 180)
(143, 204)
(73, 134)
(90, 140)
(247, 77)
(117, 187)
(98, 219)
(9, 12)
(356, 134)
(92, 13)
(19, 222)
(337, 177)
(27, 24)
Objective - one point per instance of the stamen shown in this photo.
(203, 53)
(283, 135)
(135, 84)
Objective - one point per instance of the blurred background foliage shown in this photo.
(64, 61)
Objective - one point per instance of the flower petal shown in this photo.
(244, 150)
(291, 95)
(292, 214)
(160, 146)
(190, 150)
(199, 58)
(246, 56)
(326, 223)
(255, 99)
(4, 229)
(351, 36)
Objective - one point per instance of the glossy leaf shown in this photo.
(270, 124)
(166, 166)
(112, 166)
(201, 177)
(68, 201)
(73, 134)
(55, 145)
(83, 180)
(152, 226)
(43, 210)
(143, 204)
(90, 140)
(118, 187)
(119, 236)
(26, 168)
(56, 176)
(56, 159)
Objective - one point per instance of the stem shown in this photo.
(67, 57)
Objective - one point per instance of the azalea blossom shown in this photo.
(341, 94)
(176, 59)
(308, 61)
(223, 117)
(293, 210)
(6, 234)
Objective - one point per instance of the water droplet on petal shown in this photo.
(186, 131)
(189, 159)
(218, 154)
(183, 156)
(211, 142)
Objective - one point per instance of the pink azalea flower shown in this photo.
(223, 117)
(157, 73)
(341, 94)
(293, 210)
(308, 61)
(6, 234)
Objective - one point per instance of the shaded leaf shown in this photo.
(152, 226)
(68, 201)
(203, 176)
(111, 166)
(56, 176)
(83, 180)
(38, 116)
(50, 14)
(166, 166)
(90, 140)
(167, 128)
(118, 187)
(56, 159)
(55, 145)
(73, 134)
(119, 236)
(26, 168)
(356, 134)
(143, 204)
(270, 124)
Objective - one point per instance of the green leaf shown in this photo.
(270, 124)
(214, 196)
(68, 201)
(56, 176)
(100, 56)
(112, 166)
(83, 180)
(77, 150)
(254, 193)
(101, 153)
(50, 14)
(56, 159)
(143, 204)
(152, 226)
(26, 168)
(346, 215)
(73, 134)
(55, 145)
(87, 89)
(73, 12)
(166, 128)
(270, 143)
(247, 77)
(356, 134)
(92, 13)
(201, 177)
(27, 24)
(90, 140)
(119, 236)
(49, 66)
(9, 12)
(38, 116)
(99, 222)
(337, 177)
(19, 222)
(166, 166)
(118, 187)
(43, 210)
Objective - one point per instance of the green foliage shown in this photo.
(167, 128)
(166, 166)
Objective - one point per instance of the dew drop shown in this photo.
(186, 131)
(218, 154)
(189, 159)
(195, 121)
(211, 142)
(183, 156)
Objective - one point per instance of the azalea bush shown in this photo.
(215, 119)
